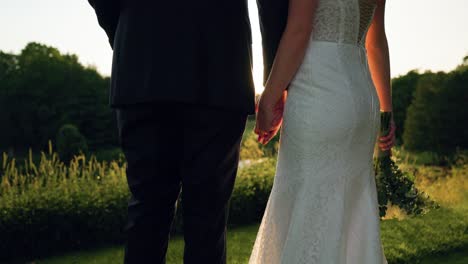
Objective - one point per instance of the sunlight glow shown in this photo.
(257, 47)
(422, 34)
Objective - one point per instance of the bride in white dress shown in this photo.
(333, 62)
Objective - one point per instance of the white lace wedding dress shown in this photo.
(323, 207)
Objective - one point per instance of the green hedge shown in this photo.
(51, 207)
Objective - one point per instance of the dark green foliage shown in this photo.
(70, 142)
(403, 88)
(109, 154)
(41, 90)
(437, 118)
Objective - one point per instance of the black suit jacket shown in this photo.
(197, 52)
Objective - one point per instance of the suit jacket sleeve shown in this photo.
(273, 16)
(108, 12)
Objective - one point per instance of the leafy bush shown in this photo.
(49, 206)
(251, 192)
(70, 142)
(250, 149)
(109, 154)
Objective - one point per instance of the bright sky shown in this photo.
(423, 34)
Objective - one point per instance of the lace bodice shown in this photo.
(343, 21)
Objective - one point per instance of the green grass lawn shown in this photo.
(437, 237)
(240, 243)
(460, 257)
(398, 243)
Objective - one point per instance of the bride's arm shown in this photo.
(291, 49)
(378, 57)
(379, 64)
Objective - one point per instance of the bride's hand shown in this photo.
(269, 117)
(388, 141)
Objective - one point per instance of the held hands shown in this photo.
(388, 141)
(269, 117)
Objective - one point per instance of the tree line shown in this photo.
(430, 110)
(46, 95)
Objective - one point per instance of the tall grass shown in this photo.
(49, 206)
(18, 178)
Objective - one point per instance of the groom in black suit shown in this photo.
(182, 88)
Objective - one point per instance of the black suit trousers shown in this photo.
(171, 147)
